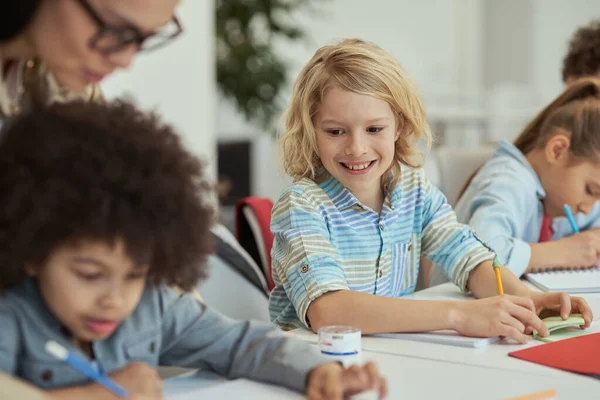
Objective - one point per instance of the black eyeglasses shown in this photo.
(111, 39)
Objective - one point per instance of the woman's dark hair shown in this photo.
(84, 171)
(15, 15)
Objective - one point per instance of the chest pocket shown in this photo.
(145, 348)
(400, 263)
(50, 374)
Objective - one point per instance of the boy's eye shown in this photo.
(88, 277)
(335, 132)
(374, 129)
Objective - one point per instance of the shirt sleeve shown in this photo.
(500, 211)
(448, 243)
(194, 336)
(9, 340)
(304, 261)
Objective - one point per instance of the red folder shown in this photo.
(580, 354)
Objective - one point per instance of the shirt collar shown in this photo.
(343, 199)
(508, 149)
(33, 295)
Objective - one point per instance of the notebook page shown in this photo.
(238, 389)
(578, 281)
(446, 337)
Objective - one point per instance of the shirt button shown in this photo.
(410, 246)
(380, 273)
(304, 269)
(381, 226)
(46, 375)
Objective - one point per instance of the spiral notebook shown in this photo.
(570, 281)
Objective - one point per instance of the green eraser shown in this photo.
(559, 329)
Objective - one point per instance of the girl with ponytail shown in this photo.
(516, 201)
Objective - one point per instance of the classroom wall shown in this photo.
(455, 50)
(421, 35)
(554, 21)
(439, 53)
(507, 53)
(465, 56)
(178, 81)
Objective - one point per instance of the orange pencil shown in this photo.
(496, 265)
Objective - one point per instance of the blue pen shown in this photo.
(571, 219)
(83, 366)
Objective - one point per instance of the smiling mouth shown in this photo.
(357, 166)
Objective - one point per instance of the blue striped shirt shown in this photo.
(326, 240)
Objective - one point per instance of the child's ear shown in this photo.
(557, 149)
(398, 132)
(399, 126)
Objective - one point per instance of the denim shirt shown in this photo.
(503, 204)
(165, 329)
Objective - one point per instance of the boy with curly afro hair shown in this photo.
(101, 209)
(583, 56)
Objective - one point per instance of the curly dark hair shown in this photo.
(583, 57)
(15, 15)
(83, 171)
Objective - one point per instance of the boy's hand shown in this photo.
(547, 304)
(508, 316)
(332, 381)
(140, 380)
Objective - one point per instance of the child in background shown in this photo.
(351, 229)
(100, 208)
(583, 58)
(531, 227)
(511, 201)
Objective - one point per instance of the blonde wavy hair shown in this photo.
(360, 67)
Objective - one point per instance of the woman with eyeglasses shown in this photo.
(59, 50)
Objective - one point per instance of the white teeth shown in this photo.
(357, 167)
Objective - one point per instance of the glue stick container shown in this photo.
(341, 343)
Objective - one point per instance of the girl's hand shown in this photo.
(582, 250)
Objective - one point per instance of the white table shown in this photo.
(417, 370)
(494, 356)
(478, 365)
(416, 378)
